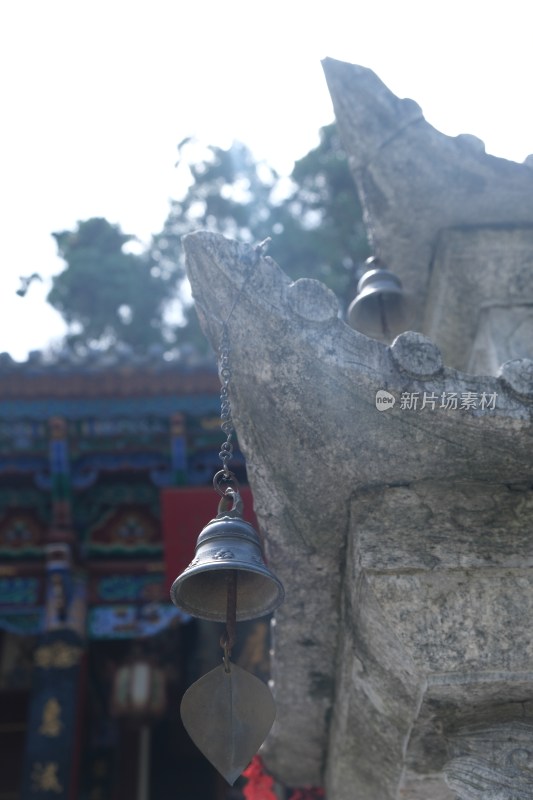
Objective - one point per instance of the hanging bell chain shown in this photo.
(228, 568)
(226, 450)
(228, 545)
(226, 422)
(227, 640)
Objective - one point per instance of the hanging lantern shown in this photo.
(378, 309)
(139, 691)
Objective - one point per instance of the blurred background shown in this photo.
(96, 98)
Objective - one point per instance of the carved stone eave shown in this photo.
(415, 181)
(292, 353)
(304, 398)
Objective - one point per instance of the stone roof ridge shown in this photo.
(415, 181)
(219, 268)
(287, 336)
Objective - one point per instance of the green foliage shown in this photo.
(314, 219)
(229, 193)
(106, 295)
(323, 235)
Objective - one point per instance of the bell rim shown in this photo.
(189, 572)
(371, 291)
(358, 308)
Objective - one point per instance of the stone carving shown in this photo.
(404, 533)
(493, 763)
(416, 182)
(518, 376)
(416, 355)
(422, 539)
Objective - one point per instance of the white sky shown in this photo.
(96, 95)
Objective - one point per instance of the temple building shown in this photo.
(106, 473)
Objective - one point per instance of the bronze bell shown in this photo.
(227, 546)
(378, 310)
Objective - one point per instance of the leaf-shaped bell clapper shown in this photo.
(227, 546)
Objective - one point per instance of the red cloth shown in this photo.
(260, 785)
(185, 512)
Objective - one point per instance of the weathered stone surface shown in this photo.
(479, 307)
(395, 493)
(417, 186)
(428, 787)
(518, 376)
(402, 536)
(416, 355)
(444, 569)
(313, 301)
(503, 332)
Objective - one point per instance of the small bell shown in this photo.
(227, 547)
(378, 310)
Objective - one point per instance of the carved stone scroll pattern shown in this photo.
(493, 763)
